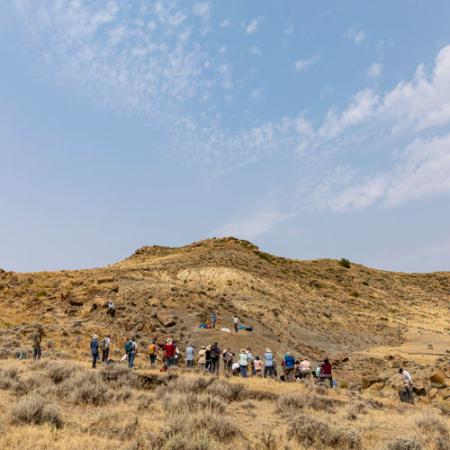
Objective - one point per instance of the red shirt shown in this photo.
(326, 369)
(169, 350)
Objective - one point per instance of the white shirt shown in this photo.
(236, 319)
(235, 366)
(407, 377)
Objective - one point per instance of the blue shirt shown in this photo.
(190, 352)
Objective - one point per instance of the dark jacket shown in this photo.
(94, 346)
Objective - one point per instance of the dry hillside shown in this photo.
(368, 321)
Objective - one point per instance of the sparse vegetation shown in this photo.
(35, 410)
(344, 262)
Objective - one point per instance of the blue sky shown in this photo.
(314, 129)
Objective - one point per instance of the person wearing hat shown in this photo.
(190, 355)
(94, 350)
(201, 358)
(269, 367)
(243, 362)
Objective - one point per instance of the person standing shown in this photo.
(289, 366)
(106, 343)
(407, 381)
(170, 351)
(236, 322)
(94, 350)
(243, 363)
(37, 350)
(326, 371)
(215, 358)
(208, 358)
(190, 355)
(201, 358)
(228, 357)
(131, 350)
(213, 319)
(153, 352)
(111, 309)
(251, 361)
(269, 369)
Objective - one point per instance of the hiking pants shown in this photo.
(236, 327)
(131, 357)
(323, 377)
(37, 353)
(153, 359)
(215, 365)
(244, 371)
(105, 355)
(94, 360)
(289, 374)
(269, 371)
(227, 366)
(190, 363)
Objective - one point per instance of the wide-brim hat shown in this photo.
(243, 350)
(95, 336)
(268, 350)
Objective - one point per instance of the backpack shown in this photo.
(290, 362)
(151, 349)
(128, 347)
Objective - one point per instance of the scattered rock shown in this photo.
(106, 280)
(165, 318)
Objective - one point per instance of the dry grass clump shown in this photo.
(292, 402)
(194, 385)
(87, 388)
(110, 425)
(35, 410)
(144, 402)
(432, 425)
(227, 391)
(404, 444)
(312, 432)
(59, 372)
(8, 375)
(180, 402)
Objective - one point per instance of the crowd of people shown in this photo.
(210, 358)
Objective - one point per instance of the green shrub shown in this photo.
(344, 262)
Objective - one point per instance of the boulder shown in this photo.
(438, 377)
(369, 380)
(165, 318)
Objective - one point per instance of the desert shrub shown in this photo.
(35, 410)
(123, 394)
(227, 391)
(344, 262)
(249, 405)
(24, 386)
(111, 424)
(9, 375)
(312, 432)
(268, 441)
(115, 373)
(187, 385)
(404, 444)
(86, 388)
(291, 402)
(144, 402)
(178, 403)
(432, 424)
(442, 443)
(58, 372)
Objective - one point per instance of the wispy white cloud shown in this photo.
(252, 226)
(253, 26)
(356, 35)
(202, 10)
(374, 71)
(255, 50)
(301, 65)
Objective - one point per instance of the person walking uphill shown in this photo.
(131, 350)
(153, 352)
(94, 350)
(213, 319)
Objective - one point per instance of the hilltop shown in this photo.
(368, 321)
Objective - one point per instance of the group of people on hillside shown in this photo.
(208, 358)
